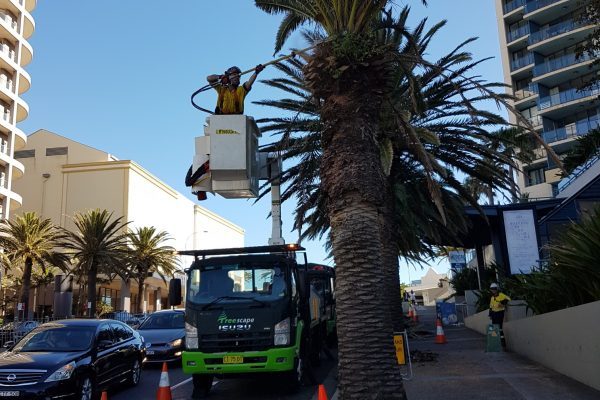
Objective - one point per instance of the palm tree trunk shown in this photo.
(91, 297)
(141, 295)
(26, 287)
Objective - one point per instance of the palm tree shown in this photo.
(148, 255)
(99, 246)
(29, 240)
(372, 164)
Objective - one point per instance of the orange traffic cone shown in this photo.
(410, 312)
(440, 338)
(415, 317)
(104, 396)
(322, 393)
(164, 388)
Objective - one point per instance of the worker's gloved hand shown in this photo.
(224, 79)
(259, 68)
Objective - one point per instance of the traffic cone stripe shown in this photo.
(104, 396)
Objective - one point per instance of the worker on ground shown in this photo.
(231, 95)
(413, 298)
(498, 303)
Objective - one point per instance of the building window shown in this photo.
(57, 151)
(109, 296)
(25, 153)
(535, 176)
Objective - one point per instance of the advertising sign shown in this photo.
(521, 240)
(457, 260)
(446, 312)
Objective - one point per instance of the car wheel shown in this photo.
(202, 385)
(134, 375)
(86, 389)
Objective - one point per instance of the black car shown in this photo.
(164, 334)
(71, 359)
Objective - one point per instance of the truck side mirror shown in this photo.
(302, 285)
(175, 292)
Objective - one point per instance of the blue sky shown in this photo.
(118, 74)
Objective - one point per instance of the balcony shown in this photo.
(536, 5)
(524, 93)
(513, 5)
(511, 36)
(559, 63)
(566, 97)
(522, 62)
(554, 30)
(569, 132)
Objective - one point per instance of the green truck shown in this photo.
(255, 310)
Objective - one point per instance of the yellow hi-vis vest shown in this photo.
(230, 101)
(495, 302)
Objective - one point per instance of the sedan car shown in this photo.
(73, 359)
(164, 334)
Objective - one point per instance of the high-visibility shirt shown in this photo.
(231, 101)
(495, 302)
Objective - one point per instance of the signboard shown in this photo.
(446, 312)
(521, 240)
(400, 350)
(457, 260)
(20, 306)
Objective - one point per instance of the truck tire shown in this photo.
(295, 377)
(202, 385)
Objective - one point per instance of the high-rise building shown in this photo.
(538, 40)
(16, 26)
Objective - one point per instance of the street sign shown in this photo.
(457, 260)
(400, 350)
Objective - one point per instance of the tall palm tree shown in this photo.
(28, 240)
(99, 246)
(148, 255)
(409, 146)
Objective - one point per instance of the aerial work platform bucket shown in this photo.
(229, 148)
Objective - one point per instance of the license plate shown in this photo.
(150, 352)
(233, 360)
(9, 393)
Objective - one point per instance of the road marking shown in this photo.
(181, 383)
(187, 381)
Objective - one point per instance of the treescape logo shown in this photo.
(234, 324)
(227, 132)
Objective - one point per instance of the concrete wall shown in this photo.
(566, 341)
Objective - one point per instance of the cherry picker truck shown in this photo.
(252, 310)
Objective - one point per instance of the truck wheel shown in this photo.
(296, 376)
(202, 385)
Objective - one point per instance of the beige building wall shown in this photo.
(65, 177)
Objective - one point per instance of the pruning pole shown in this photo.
(282, 58)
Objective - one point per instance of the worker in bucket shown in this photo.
(498, 303)
(230, 94)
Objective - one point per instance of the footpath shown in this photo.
(461, 369)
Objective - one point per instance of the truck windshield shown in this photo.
(234, 282)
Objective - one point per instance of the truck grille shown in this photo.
(239, 341)
(20, 377)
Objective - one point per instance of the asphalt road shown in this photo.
(250, 389)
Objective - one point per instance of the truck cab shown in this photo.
(247, 312)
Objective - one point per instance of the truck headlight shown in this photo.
(191, 336)
(175, 343)
(62, 373)
(282, 333)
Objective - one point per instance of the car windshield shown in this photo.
(57, 338)
(234, 282)
(161, 320)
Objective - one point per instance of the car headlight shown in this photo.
(282, 332)
(176, 343)
(62, 373)
(191, 336)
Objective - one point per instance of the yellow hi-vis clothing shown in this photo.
(230, 101)
(496, 302)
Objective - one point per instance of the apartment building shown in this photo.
(538, 41)
(16, 26)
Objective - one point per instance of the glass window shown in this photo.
(536, 176)
(105, 333)
(57, 338)
(121, 332)
(164, 320)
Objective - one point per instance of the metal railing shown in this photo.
(524, 93)
(561, 62)
(513, 5)
(522, 62)
(554, 30)
(511, 36)
(578, 129)
(564, 183)
(566, 97)
(535, 5)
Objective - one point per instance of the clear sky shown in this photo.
(118, 74)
